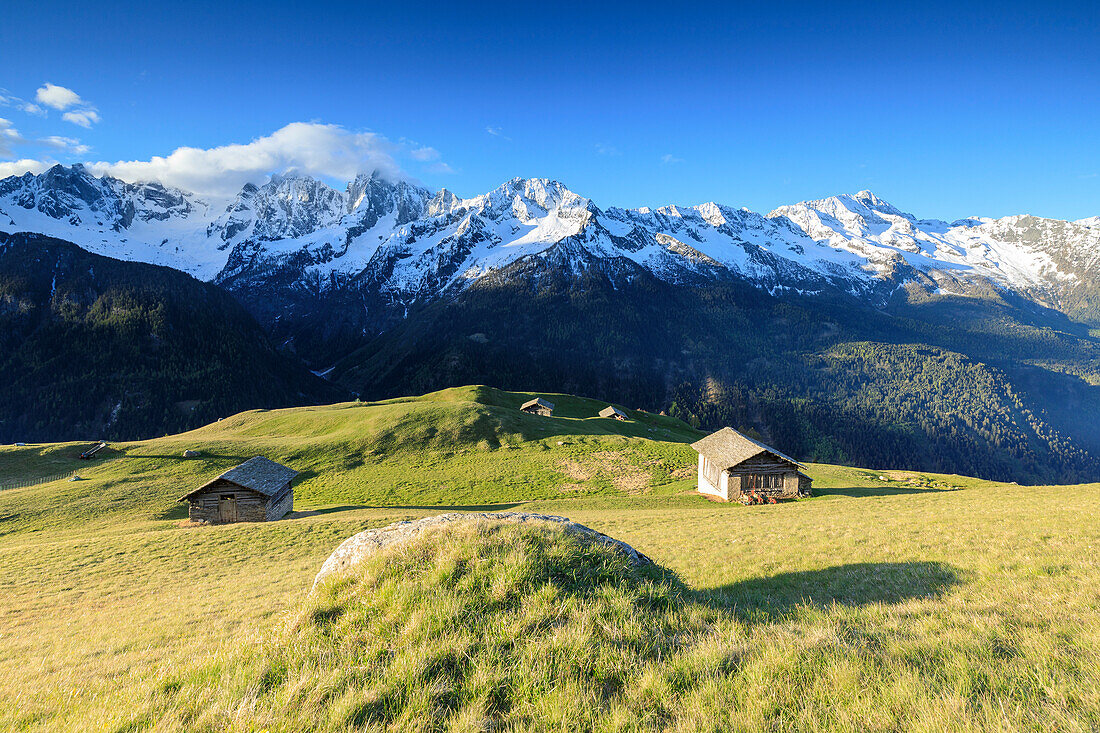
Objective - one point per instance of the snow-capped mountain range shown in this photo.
(410, 245)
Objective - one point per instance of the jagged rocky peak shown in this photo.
(70, 192)
(376, 193)
(75, 194)
(712, 213)
(442, 203)
(75, 180)
(531, 199)
(300, 230)
(304, 190)
(287, 207)
(845, 207)
(543, 192)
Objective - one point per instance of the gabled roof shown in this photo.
(727, 448)
(612, 411)
(258, 474)
(537, 401)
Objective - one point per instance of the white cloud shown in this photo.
(441, 167)
(61, 99)
(7, 99)
(497, 132)
(424, 154)
(9, 137)
(68, 144)
(19, 167)
(82, 117)
(57, 97)
(607, 149)
(670, 159)
(302, 147)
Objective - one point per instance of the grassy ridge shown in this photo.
(885, 603)
(461, 446)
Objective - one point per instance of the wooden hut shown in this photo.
(613, 412)
(732, 465)
(258, 490)
(538, 406)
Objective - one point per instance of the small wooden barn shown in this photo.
(258, 490)
(538, 406)
(732, 465)
(614, 412)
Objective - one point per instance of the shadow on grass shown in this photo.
(203, 455)
(857, 584)
(859, 491)
(178, 511)
(441, 508)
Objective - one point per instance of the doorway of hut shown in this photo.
(227, 508)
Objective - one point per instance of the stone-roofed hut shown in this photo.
(258, 490)
(732, 465)
(538, 406)
(614, 412)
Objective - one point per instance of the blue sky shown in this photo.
(946, 110)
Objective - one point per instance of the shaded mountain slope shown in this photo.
(94, 347)
(998, 392)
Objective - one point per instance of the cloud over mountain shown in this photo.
(307, 148)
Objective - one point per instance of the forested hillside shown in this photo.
(94, 347)
(973, 384)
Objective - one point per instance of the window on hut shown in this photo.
(710, 472)
(761, 481)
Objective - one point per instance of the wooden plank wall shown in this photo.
(251, 505)
(767, 464)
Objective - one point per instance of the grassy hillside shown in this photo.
(468, 445)
(890, 601)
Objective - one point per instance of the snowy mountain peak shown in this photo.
(73, 197)
(712, 214)
(443, 202)
(373, 195)
(846, 207)
(870, 200)
(404, 243)
(547, 194)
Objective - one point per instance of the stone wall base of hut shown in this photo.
(280, 506)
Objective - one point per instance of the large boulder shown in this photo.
(352, 550)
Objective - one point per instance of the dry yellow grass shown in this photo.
(875, 606)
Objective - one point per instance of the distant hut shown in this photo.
(732, 465)
(538, 406)
(258, 490)
(615, 412)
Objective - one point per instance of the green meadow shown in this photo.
(891, 600)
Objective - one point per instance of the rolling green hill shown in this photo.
(892, 600)
(468, 445)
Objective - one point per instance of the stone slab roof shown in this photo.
(728, 448)
(612, 411)
(537, 401)
(258, 474)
